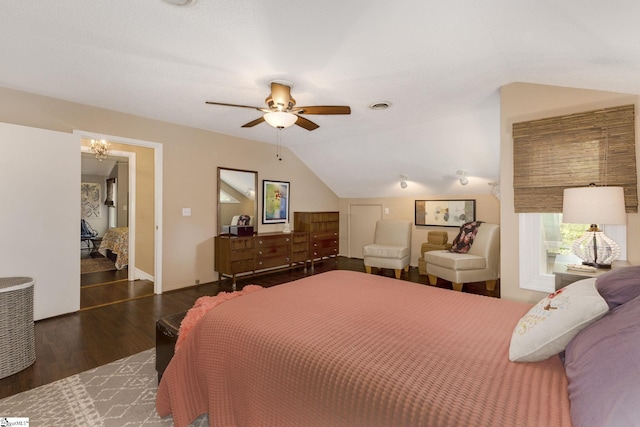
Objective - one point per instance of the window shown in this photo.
(545, 240)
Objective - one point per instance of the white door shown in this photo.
(362, 226)
(40, 215)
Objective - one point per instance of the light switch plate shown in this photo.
(186, 211)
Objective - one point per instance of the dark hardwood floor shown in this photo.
(109, 287)
(73, 343)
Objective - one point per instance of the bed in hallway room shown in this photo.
(117, 241)
(344, 348)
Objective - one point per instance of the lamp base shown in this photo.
(594, 248)
(597, 265)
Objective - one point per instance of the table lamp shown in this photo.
(594, 205)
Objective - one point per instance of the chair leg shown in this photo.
(367, 269)
(398, 272)
(406, 268)
(491, 285)
(432, 279)
(457, 286)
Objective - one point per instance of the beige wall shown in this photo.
(487, 209)
(191, 158)
(521, 102)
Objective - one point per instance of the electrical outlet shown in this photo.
(197, 281)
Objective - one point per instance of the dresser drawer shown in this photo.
(324, 252)
(241, 254)
(240, 244)
(272, 250)
(301, 256)
(272, 261)
(330, 235)
(241, 266)
(271, 241)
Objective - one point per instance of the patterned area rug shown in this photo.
(121, 393)
(94, 265)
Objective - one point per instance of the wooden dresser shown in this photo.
(324, 233)
(249, 254)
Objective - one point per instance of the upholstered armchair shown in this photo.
(480, 264)
(391, 247)
(436, 241)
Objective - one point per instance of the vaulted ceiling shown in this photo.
(439, 64)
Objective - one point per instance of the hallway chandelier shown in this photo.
(100, 148)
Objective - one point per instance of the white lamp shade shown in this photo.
(594, 205)
(280, 119)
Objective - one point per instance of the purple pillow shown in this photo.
(603, 366)
(619, 285)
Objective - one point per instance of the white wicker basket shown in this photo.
(17, 338)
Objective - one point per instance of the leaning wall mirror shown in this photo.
(237, 190)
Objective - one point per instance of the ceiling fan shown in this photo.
(281, 111)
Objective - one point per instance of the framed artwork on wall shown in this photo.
(275, 202)
(445, 213)
(90, 200)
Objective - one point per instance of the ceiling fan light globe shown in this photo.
(280, 119)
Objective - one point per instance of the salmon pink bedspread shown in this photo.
(344, 348)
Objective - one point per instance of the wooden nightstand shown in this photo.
(566, 277)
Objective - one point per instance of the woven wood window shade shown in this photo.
(561, 152)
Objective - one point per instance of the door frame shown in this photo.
(131, 208)
(157, 184)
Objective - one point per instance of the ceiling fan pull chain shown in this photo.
(278, 148)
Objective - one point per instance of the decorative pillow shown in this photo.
(549, 326)
(603, 366)
(463, 241)
(619, 285)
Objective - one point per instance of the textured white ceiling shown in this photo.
(440, 64)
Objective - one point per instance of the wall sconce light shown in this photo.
(495, 189)
(462, 176)
(403, 181)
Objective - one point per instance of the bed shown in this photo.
(345, 348)
(117, 241)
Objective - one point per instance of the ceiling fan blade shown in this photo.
(254, 122)
(235, 105)
(324, 109)
(306, 123)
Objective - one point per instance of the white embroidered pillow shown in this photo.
(549, 326)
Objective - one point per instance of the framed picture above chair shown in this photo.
(445, 213)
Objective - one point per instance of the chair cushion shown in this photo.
(385, 251)
(463, 241)
(455, 261)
